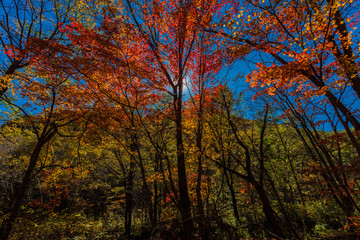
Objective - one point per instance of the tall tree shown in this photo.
(169, 31)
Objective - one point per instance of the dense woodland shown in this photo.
(179, 119)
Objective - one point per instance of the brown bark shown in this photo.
(346, 59)
(16, 64)
(185, 206)
(271, 221)
(230, 183)
(129, 200)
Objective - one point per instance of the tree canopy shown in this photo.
(122, 119)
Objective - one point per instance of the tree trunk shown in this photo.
(271, 220)
(185, 210)
(230, 183)
(129, 200)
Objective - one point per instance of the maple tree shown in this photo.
(313, 54)
(178, 46)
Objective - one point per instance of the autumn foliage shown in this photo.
(123, 120)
